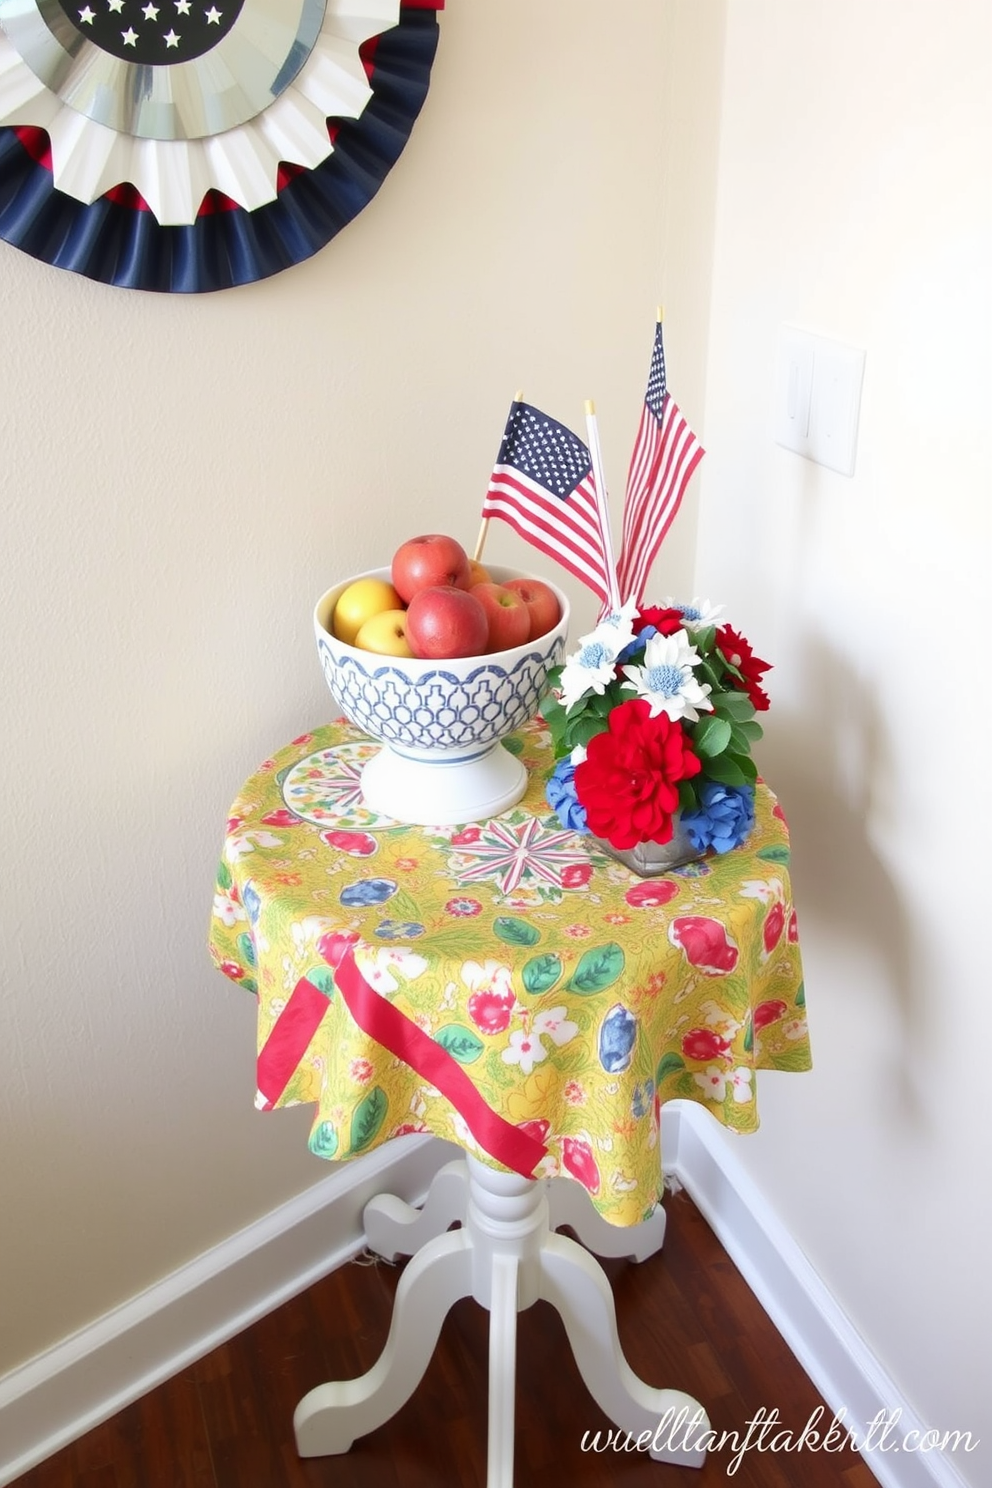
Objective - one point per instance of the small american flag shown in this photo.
(666, 452)
(543, 487)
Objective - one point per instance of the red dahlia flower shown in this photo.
(737, 651)
(628, 781)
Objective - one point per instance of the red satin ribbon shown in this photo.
(396, 1032)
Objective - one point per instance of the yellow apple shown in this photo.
(385, 633)
(480, 574)
(358, 603)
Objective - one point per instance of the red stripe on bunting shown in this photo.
(289, 1039)
(389, 1027)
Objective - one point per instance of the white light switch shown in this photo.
(818, 398)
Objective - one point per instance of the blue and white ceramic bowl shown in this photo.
(440, 722)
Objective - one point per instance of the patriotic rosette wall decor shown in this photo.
(191, 145)
(653, 715)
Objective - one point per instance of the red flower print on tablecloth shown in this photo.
(705, 944)
(491, 1011)
(768, 1012)
(361, 1070)
(576, 875)
(574, 1093)
(492, 999)
(771, 930)
(463, 908)
(282, 818)
(705, 1043)
(577, 1159)
(651, 895)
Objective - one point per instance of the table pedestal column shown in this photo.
(506, 1257)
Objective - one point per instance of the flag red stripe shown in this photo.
(289, 1039)
(568, 532)
(662, 464)
(577, 518)
(384, 1022)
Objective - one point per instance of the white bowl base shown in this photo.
(439, 793)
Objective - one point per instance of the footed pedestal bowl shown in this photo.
(440, 723)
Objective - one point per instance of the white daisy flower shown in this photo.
(696, 615)
(666, 680)
(590, 669)
(616, 628)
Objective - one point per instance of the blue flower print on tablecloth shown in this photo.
(367, 891)
(617, 1036)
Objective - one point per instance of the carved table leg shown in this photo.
(506, 1257)
(328, 1419)
(571, 1205)
(394, 1228)
(576, 1286)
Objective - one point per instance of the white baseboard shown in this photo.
(698, 1151)
(64, 1392)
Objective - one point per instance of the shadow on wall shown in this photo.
(827, 761)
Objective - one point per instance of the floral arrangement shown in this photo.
(654, 715)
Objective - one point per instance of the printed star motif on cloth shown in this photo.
(509, 853)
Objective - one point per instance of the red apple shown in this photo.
(542, 602)
(426, 562)
(445, 622)
(507, 615)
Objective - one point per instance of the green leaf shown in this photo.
(725, 769)
(582, 730)
(801, 995)
(368, 1117)
(540, 973)
(750, 728)
(460, 1042)
(774, 854)
(515, 932)
(224, 876)
(322, 978)
(703, 639)
(552, 711)
(708, 673)
(667, 1065)
(688, 800)
(746, 765)
(749, 1036)
(597, 969)
(711, 736)
(323, 1140)
(513, 743)
(736, 705)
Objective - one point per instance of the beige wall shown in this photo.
(855, 199)
(180, 479)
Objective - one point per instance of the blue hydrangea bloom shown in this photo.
(724, 819)
(560, 791)
(637, 644)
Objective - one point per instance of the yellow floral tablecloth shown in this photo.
(550, 987)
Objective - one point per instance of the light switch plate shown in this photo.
(818, 398)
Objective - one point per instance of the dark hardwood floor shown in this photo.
(686, 1319)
